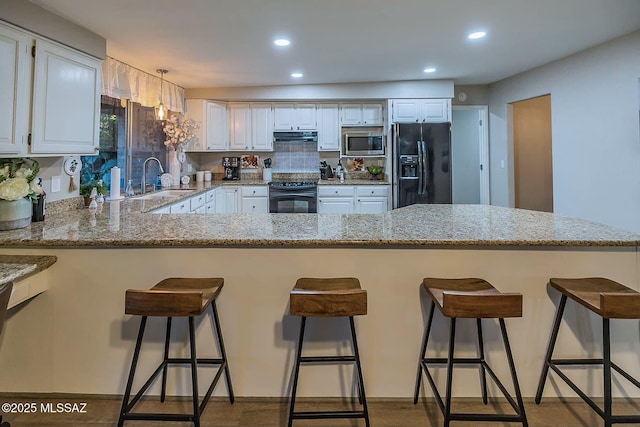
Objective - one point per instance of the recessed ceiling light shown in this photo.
(281, 42)
(477, 35)
(429, 70)
(296, 75)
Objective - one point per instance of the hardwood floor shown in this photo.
(272, 412)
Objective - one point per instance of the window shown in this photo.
(146, 140)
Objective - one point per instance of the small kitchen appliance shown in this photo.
(231, 167)
(363, 143)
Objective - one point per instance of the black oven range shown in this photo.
(293, 197)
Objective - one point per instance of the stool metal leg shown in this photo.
(452, 340)
(606, 360)
(423, 351)
(359, 370)
(550, 347)
(165, 359)
(512, 368)
(194, 373)
(132, 371)
(483, 371)
(296, 370)
(223, 353)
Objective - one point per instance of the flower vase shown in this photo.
(174, 167)
(15, 213)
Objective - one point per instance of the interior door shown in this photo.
(470, 155)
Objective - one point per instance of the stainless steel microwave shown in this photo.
(364, 144)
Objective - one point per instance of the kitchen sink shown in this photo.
(164, 194)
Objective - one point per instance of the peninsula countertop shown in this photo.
(127, 223)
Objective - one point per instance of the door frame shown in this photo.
(483, 141)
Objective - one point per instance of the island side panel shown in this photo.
(75, 338)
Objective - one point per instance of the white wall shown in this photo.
(596, 137)
(379, 90)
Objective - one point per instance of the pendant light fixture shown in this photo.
(161, 110)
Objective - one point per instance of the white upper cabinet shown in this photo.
(250, 126)
(288, 116)
(14, 85)
(66, 101)
(211, 118)
(328, 127)
(436, 110)
(421, 110)
(239, 126)
(62, 101)
(361, 114)
(372, 114)
(262, 127)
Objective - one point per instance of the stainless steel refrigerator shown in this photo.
(422, 163)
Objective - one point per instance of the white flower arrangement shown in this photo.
(18, 179)
(179, 133)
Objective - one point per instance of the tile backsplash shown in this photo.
(295, 157)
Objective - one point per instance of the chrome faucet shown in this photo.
(144, 173)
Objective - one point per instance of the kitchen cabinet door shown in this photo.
(239, 126)
(227, 200)
(328, 127)
(255, 199)
(212, 120)
(435, 110)
(371, 205)
(66, 101)
(351, 114)
(335, 205)
(183, 206)
(372, 114)
(362, 114)
(217, 135)
(284, 117)
(406, 111)
(197, 202)
(14, 90)
(421, 110)
(288, 117)
(255, 205)
(306, 117)
(262, 127)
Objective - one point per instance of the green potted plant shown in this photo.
(85, 190)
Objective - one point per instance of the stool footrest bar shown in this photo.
(327, 414)
(327, 359)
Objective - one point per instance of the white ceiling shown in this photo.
(218, 43)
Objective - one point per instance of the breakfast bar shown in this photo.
(75, 338)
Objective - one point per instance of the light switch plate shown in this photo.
(55, 184)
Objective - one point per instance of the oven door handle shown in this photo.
(290, 195)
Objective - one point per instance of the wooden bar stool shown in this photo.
(475, 299)
(337, 297)
(175, 297)
(609, 300)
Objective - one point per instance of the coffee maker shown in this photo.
(231, 167)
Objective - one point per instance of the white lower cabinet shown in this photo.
(371, 199)
(367, 199)
(183, 206)
(228, 199)
(255, 199)
(335, 199)
(210, 202)
(197, 202)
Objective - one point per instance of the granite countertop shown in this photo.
(127, 224)
(17, 267)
